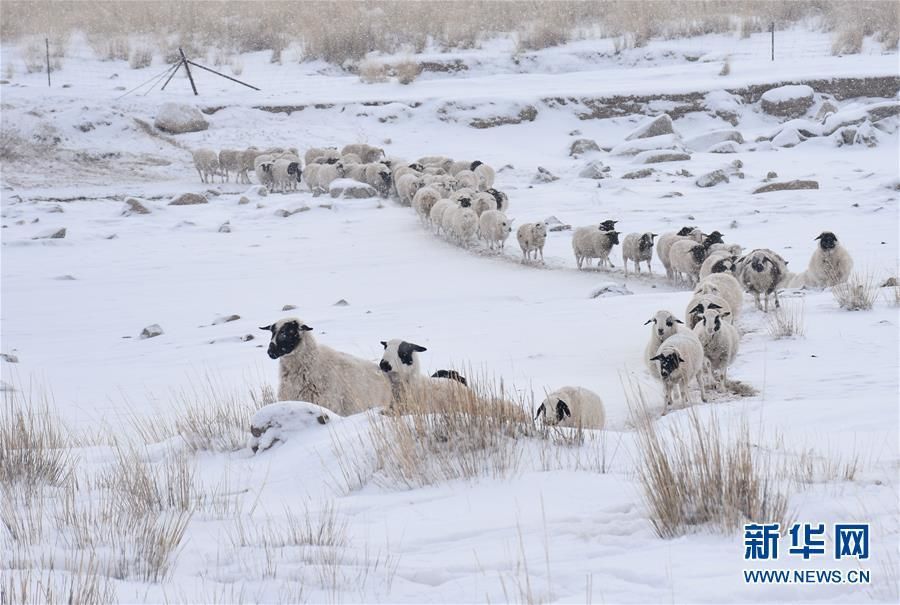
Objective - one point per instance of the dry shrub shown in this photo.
(146, 488)
(372, 71)
(812, 467)
(34, 54)
(858, 293)
(237, 66)
(327, 528)
(13, 145)
(544, 35)
(407, 71)
(698, 476)
(117, 48)
(9, 70)
(852, 22)
(83, 586)
(788, 321)
(141, 57)
(726, 67)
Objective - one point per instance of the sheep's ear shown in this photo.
(680, 360)
(417, 348)
(384, 343)
(714, 306)
(562, 410)
(656, 358)
(678, 320)
(725, 314)
(305, 328)
(269, 327)
(819, 237)
(652, 235)
(540, 410)
(697, 309)
(652, 319)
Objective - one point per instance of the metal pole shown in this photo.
(47, 44)
(188, 70)
(171, 75)
(773, 40)
(223, 75)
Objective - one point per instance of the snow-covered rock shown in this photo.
(704, 141)
(787, 101)
(285, 212)
(582, 146)
(544, 176)
(278, 422)
(188, 199)
(788, 137)
(59, 233)
(652, 127)
(177, 118)
(724, 105)
(711, 179)
(594, 170)
(852, 117)
(787, 186)
(664, 141)
(151, 331)
(610, 289)
(350, 189)
(656, 156)
(827, 108)
(724, 147)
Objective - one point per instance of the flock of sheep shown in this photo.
(457, 199)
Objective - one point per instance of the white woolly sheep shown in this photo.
(229, 161)
(726, 286)
(761, 271)
(436, 161)
(484, 173)
(436, 216)
(830, 264)
(464, 225)
(483, 201)
(573, 406)
(246, 164)
(698, 305)
(400, 364)
(501, 198)
(321, 155)
(262, 167)
(665, 324)
(367, 153)
(680, 360)
(407, 185)
(318, 374)
(467, 179)
(424, 200)
(686, 256)
(532, 237)
(320, 179)
(665, 241)
(458, 166)
(638, 248)
(286, 175)
(593, 242)
(207, 164)
(378, 176)
(351, 158)
(719, 261)
(720, 342)
(494, 228)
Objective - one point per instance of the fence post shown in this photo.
(188, 70)
(772, 27)
(47, 45)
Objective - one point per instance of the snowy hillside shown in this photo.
(148, 491)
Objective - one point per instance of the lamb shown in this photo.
(680, 360)
(400, 365)
(720, 342)
(665, 324)
(830, 263)
(698, 305)
(321, 155)
(367, 153)
(593, 242)
(318, 374)
(484, 173)
(573, 406)
(229, 161)
(464, 225)
(686, 256)
(407, 185)
(665, 241)
(761, 271)
(532, 237)
(726, 286)
(637, 248)
(286, 174)
(207, 164)
(494, 228)
(720, 261)
(424, 200)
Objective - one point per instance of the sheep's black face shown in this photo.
(608, 225)
(417, 167)
(386, 178)
(562, 410)
(498, 197)
(759, 263)
(612, 237)
(405, 352)
(723, 266)
(668, 364)
(465, 202)
(713, 238)
(646, 242)
(286, 337)
(294, 170)
(827, 240)
(385, 366)
(685, 231)
(699, 254)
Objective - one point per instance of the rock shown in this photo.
(724, 105)
(825, 110)
(787, 101)
(178, 118)
(283, 213)
(771, 175)
(188, 199)
(705, 141)
(554, 224)
(866, 135)
(663, 141)
(244, 200)
(225, 319)
(6, 387)
(657, 156)
(225, 227)
(560, 228)
(288, 307)
(610, 289)
(341, 303)
(247, 337)
(582, 146)
(65, 277)
(51, 234)
(113, 236)
(890, 282)
(350, 189)
(733, 225)
(725, 147)
(684, 172)
(594, 170)
(9, 358)
(257, 190)
(639, 174)
(279, 422)
(787, 186)
(672, 194)
(544, 176)
(845, 136)
(133, 206)
(652, 127)
(711, 179)
(151, 331)
(789, 137)
(55, 209)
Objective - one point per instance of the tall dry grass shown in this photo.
(858, 293)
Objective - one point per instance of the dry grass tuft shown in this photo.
(406, 71)
(788, 321)
(858, 293)
(698, 476)
(141, 56)
(372, 71)
(83, 586)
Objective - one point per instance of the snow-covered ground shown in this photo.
(73, 309)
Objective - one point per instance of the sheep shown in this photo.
(436, 215)
(321, 155)
(443, 183)
(262, 167)
(378, 176)
(400, 365)
(424, 200)
(637, 248)
(494, 228)
(830, 263)
(573, 406)
(436, 161)
(229, 161)
(719, 261)
(593, 242)
(686, 256)
(760, 272)
(680, 360)
(698, 305)
(285, 175)
(451, 375)
(459, 165)
(309, 371)
(321, 178)
(407, 185)
(665, 241)
(532, 237)
(207, 164)
(665, 324)
(484, 173)
(501, 198)
(720, 342)
(247, 158)
(464, 225)
(351, 158)
(482, 202)
(366, 153)
(726, 286)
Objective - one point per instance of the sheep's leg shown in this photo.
(766, 301)
(702, 390)
(756, 299)
(777, 304)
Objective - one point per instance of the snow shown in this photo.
(565, 531)
(784, 94)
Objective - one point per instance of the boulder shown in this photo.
(582, 146)
(178, 118)
(663, 141)
(225, 319)
(656, 156)
(711, 179)
(705, 141)
(133, 206)
(278, 422)
(554, 224)
(787, 101)
(151, 331)
(652, 127)
(787, 186)
(789, 137)
(825, 110)
(724, 105)
(188, 199)
(724, 147)
(350, 189)
(639, 174)
(594, 170)
(284, 213)
(51, 234)
(225, 227)
(544, 176)
(244, 200)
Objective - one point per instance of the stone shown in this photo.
(51, 234)
(283, 213)
(225, 227)
(594, 170)
(582, 146)
(771, 175)
(341, 303)
(151, 331)
(288, 307)
(133, 206)
(350, 189)
(279, 422)
(9, 358)
(639, 174)
(244, 200)
(705, 141)
(789, 137)
(711, 179)
(610, 289)
(178, 118)
(188, 199)
(656, 156)
(787, 186)
(826, 110)
(652, 128)
(787, 101)
(544, 176)
(225, 319)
